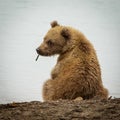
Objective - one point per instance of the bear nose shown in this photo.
(37, 50)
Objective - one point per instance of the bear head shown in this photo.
(55, 40)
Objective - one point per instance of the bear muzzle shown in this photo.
(41, 52)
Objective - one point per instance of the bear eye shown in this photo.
(50, 43)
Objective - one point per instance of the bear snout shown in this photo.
(41, 52)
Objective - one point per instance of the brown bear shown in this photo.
(77, 71)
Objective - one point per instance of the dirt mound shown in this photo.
(62, 110)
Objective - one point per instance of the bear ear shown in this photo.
(54, 24)
(65, 33)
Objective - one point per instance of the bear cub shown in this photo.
(77, 71)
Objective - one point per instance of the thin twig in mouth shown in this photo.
(37, 58)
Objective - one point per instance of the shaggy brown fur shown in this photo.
(77, 72)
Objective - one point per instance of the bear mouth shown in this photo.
(40, 52)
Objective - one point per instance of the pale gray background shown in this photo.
(23, 24)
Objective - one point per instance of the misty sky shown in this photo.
(23, 24)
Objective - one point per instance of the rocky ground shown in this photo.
(62, 110)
